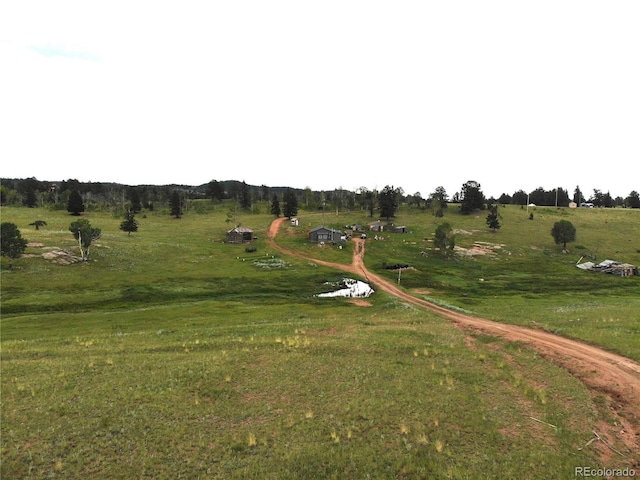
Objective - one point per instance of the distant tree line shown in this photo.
(560, 197)
(35, 193)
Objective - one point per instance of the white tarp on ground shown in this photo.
(349, 288)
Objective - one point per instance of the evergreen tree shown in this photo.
(438, 201)
(504, 199)
(388, 199)
(367, 200)
(12, 244)
(215, 190)
(31, 199)
(519, 198)
(598, 198)
(492, 219)
(290, 199)
(176, 204)
(264, 192)
(370, 199)
(245, 197)
(275, 206)
(29, 189)
(577, 196)
(134, 198)
(633, 200)
(563, 232)
(75, 205)
(129, 224)
(472, 197)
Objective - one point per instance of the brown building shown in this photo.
(240, 235)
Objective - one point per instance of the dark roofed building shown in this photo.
(240, 235)
(324, 234)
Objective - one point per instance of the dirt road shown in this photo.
(613, 375)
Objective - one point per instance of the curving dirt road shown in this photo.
(614, 375)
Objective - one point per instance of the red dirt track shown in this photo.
(613, 375)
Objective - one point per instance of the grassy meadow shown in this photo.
(524, 278)
(173, 355)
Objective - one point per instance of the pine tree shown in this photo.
(129, 224)
(134, 198)
(472, 197)
(176, 204)
(388, 202)
(75, 205)
(492, 219)
(245, 196)
(275, 206)
(290, 204)
(12, 243)
(563, 232)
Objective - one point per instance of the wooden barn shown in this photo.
(240, 235)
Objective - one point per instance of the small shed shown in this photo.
(324, 234)
(377, 226)
(240, 235)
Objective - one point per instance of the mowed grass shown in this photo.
(173, 355)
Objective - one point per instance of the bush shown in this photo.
(395, 266)
(251, 249)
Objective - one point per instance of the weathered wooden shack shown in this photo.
(240, 235)
(376, 226)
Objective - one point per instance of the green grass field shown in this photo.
(174, 355)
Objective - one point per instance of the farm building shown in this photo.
(610, 266)
(324, 234)
(376, 226)
(240, 235)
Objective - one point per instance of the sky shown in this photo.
(333, 94)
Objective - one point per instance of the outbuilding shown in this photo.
(324, 234)
(376, 226)
(240, 235)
